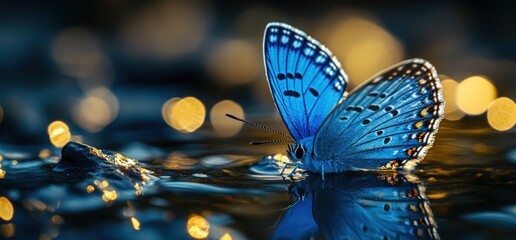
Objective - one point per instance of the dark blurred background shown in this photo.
(127, 70)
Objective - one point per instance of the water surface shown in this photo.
(226, 189)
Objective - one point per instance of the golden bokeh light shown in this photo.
(135, 223)
(56, 219)
(452, 111)
(226, 236)
(197, 227)
(474, 95)
(187, 114)
(44, 153)
(235, 62)
(59, 133)
(166, 112)
(449, 91)
(224, 126)
(97, 110)
(454, 116)
(363, 46)
(6, 209)
(76, 52)
(109, 195)
(90, 188)
(501, 114)
(166, 29)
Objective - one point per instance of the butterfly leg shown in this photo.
(296, 165)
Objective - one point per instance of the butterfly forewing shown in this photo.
(388, 122)
(305, 79)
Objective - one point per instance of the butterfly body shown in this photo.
(389, 122)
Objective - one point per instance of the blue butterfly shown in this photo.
(389, 122)
(357, 205)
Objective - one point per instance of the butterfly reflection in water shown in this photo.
(389, 122)
(358, 205)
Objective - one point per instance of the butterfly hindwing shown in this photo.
(305, 79)
(388, 122)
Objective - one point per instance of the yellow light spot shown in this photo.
(59, 133)
(158, 30)
(281, 157)
(45, 153)
(224, 126)
(14, 162)
(2, 173)
(76, 52)
(452, 111)
(226, 236)
(90, 188)
(362, 45)
(437, 195)
(418, 125)
(7, 230)
(189, 114)
(138, 191)
(104, 184)
(197, 227)
(449, 92)
(235, 62)
(501, 114)
(96, 110)
(109, 195)
(166, 112)
(136, 223)
(6, 209)
(56, 219)
(474, 95)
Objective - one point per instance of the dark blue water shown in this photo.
(211, 188)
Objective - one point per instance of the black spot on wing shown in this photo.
(314, 92)
(374, 107)
(358, 109)
(281, 76)
(290, 76)
(386, 140)
(290, 93)
(298, 76)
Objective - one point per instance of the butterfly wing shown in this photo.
(388, 122)
(305, 79)
(368, 206)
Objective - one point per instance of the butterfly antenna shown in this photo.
(270, 141)
(261, 126)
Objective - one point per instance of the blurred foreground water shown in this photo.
(226, 189)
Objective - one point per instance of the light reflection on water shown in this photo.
(469, 179)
